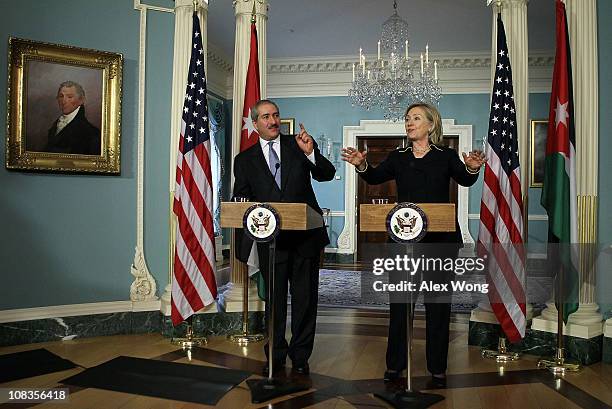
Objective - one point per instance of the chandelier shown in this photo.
(390, 82)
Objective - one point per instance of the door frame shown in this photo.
(347, 241)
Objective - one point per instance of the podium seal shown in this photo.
(406, 223)
(261, 222)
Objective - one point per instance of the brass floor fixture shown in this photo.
(244, 338)
(558, 365)
(501, 354)
(189, 341)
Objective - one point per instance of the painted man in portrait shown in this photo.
(72, 132)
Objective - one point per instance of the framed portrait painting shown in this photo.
(64, 108)
(539, 129)
(287, 126)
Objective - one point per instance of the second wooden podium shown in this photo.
(440, 218)
(291, 216)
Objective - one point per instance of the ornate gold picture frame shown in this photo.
(539, 129)
(45, 130)
(287, 126)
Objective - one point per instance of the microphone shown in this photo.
(271, 188)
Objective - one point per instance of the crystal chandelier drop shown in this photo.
(390, 82)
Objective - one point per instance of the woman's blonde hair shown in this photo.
(433, 116)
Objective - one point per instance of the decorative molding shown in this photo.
(459, 72)
(316, 76)
(215, 56)
(344, 63)
(220, 72)
(144, 287)
(347, 241)
(73, 310)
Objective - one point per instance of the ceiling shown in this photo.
(299, 28)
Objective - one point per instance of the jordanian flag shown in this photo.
(559, 190)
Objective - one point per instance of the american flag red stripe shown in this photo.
(500, 234)
(193, 283)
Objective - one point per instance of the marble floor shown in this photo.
(346, 367)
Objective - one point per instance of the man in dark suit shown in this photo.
(279, 169)
(72, 132)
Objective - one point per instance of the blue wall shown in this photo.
(328, 115)
(70, 238)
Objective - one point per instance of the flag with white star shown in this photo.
(559, 187)
(193, 282)
(249, 135)
(500, 234)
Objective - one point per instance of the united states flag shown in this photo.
(193, 283)
(501, 209)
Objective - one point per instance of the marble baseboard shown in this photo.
(221, 323)
(607, 350)
(82, 326)
(539, 343)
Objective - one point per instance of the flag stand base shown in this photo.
(266, 389)
(558, 365)
(409, 399)
(189, 341)
(502, 354)
(245, 338)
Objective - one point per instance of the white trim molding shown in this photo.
(459, 73)
(531, 217)
(347, 241)
(74, 310)
(144, 287)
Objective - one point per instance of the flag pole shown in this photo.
(189, 340)
(502, 354)
(244, 338)
(192, 296)
(558, 364)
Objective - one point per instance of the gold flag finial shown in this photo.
(253, 14)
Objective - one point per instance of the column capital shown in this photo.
(245, 7)
(512, 3)
(200, 4)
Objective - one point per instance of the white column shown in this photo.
(582, 21)
(232, 296)
(183, 26)
(582, 25)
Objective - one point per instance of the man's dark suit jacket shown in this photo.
(255, 181)
(78, 137)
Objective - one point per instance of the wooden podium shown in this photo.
(293, 216)
(440, 218)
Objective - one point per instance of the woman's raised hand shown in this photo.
(474, 160)
(354, 157)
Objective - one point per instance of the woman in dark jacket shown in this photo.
(422, 172)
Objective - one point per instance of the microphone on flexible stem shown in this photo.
(271, 189)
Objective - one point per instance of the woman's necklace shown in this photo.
(417, 150)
